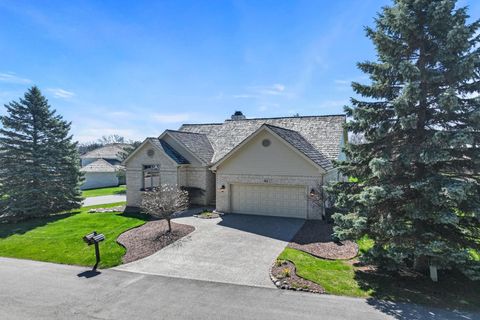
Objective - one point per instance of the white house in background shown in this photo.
(102, 167)
(264, 166)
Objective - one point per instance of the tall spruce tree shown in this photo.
(414, 185)
(38, 160)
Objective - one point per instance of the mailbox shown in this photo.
(89, 238)
(98, 238)
(94, 238)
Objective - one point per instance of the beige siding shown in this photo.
(276, 159)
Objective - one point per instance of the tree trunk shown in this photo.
(169, 225)
(420, 263)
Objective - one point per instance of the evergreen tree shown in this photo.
(39, 162)
(414, 184)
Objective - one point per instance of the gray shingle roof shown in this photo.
(297, 141)
(99, 165)
(168, 149)
(324, 133)
(197, 143)
(109, 151)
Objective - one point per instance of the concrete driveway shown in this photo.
(236, 249)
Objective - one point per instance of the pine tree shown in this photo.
(39, 162)
(414, 185)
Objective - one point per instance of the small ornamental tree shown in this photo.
(39, 163)
(414, 182)
(165, 202)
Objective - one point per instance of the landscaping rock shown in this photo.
(111, 209)
(293, 281)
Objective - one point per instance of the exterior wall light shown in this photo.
(312, 192)
(222, 188)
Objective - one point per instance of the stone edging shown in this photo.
(281, 284)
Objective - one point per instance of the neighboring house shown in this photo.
(102, 167)
(265, 166)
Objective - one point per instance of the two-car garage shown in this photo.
(271, 200)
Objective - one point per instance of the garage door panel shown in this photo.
(274, 200)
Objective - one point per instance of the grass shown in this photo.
(58, 238)
(104, 191)
(335, 276)
(341, 277)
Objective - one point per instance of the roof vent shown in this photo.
(238, 115)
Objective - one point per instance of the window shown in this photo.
(151, 176)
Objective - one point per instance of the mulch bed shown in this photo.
(292, 281)
(149, 238)
(315, 238)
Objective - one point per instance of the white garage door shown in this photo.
(282, 200)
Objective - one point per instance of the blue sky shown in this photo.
(136, 68)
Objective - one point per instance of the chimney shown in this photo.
(238, 115)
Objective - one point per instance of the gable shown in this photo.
(141, 157)
(276, 159)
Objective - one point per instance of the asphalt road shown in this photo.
(37, 290)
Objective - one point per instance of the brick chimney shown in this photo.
(238, 115)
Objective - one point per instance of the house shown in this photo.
(102, 167)
(265, 166)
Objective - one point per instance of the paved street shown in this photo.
(37, 290)
(238, 249)
(92, 201)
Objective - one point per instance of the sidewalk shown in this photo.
(92, 201)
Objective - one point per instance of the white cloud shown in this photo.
(276, 89)
(171, 118)
(13, 78)
(121, 114)
(243, 96)
(344, 82)
(262, 108)
(61, 93)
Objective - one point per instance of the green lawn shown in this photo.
(342, 277)
(59, 238)
(335, 276)
(104, 191)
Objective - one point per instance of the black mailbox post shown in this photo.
(94, 238)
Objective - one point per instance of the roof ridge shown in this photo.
(270, 118)
(202, 124)
(180, 131)
(293, 117)
(274, 126)
(100, 159)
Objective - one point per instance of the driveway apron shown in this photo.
(238, 249)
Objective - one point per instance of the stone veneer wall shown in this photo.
(198, 177)
(134, 167)
(223, 198)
